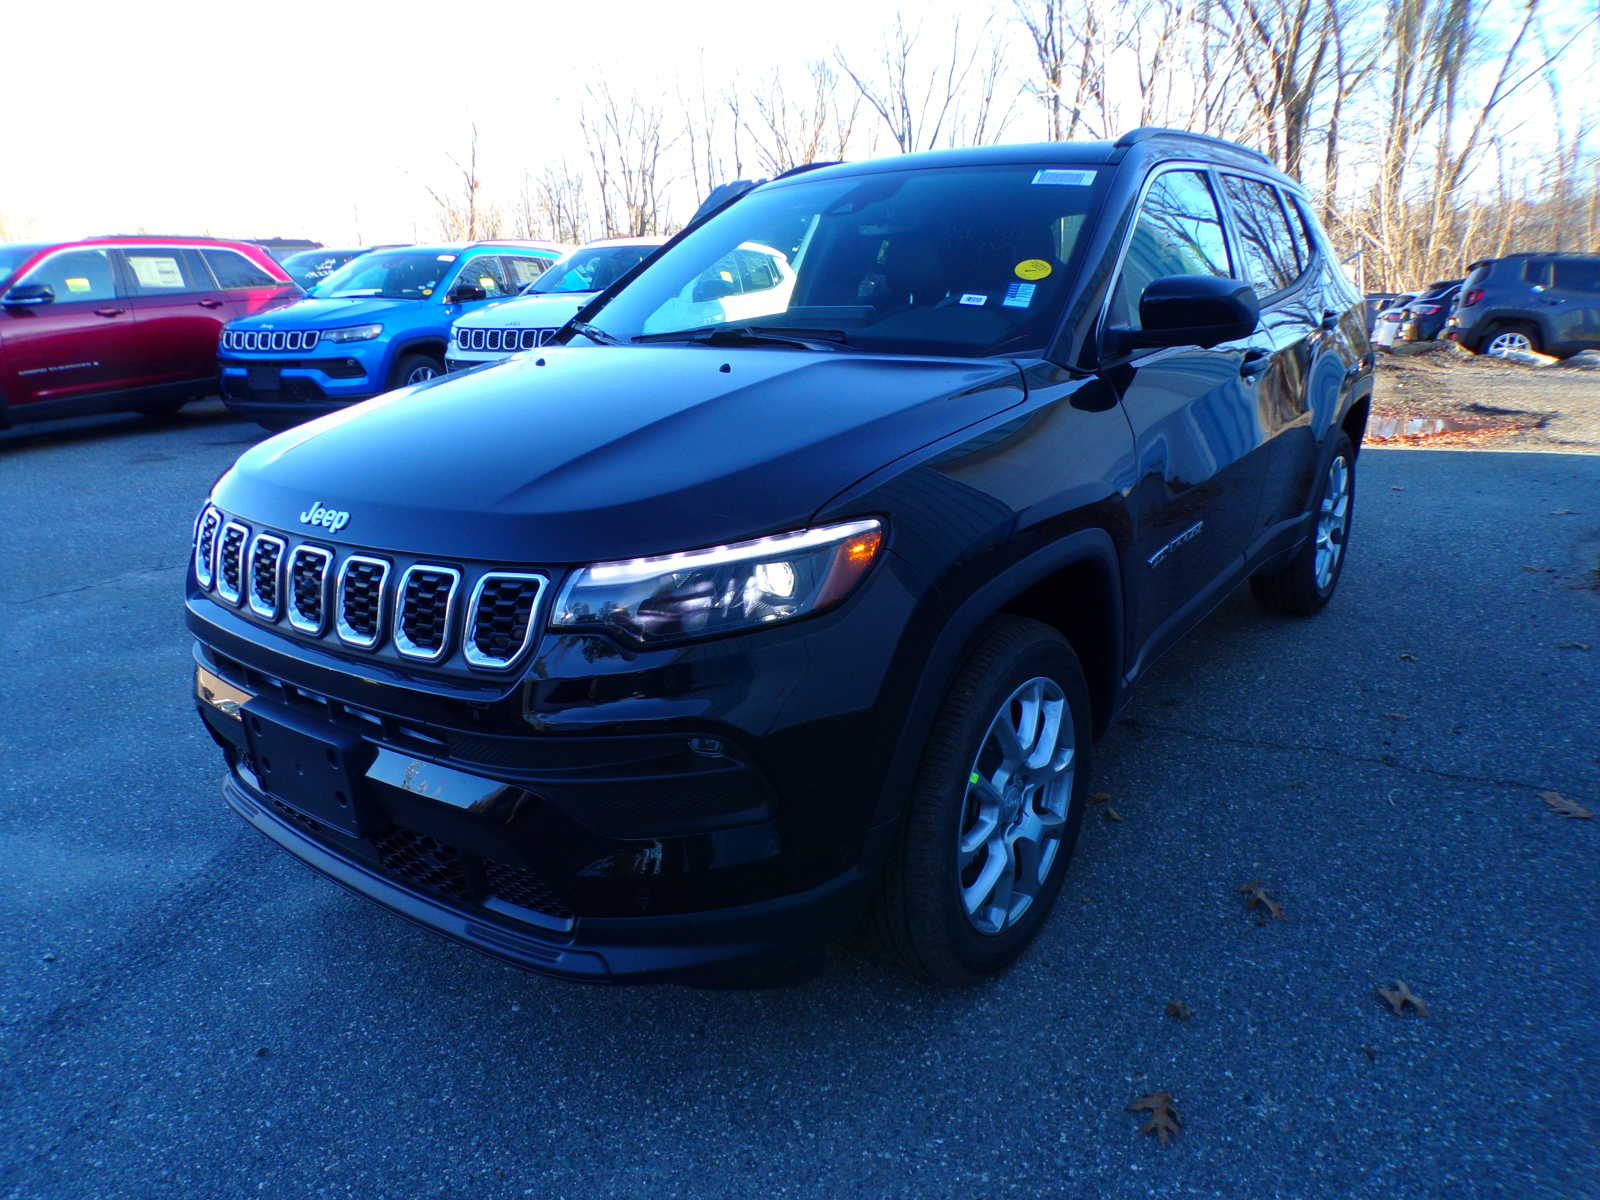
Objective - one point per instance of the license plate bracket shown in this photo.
(315, 768)
(263, 379)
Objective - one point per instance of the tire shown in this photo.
(921, 917)
(409, 366)
(1306, 582)
(1510, 335)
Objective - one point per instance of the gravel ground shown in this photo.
(186, 1012)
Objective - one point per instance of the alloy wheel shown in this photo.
(1508, 340)
(1333, 520)
(422, 373)
(1015, 811)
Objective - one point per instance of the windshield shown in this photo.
(312, 266)
(591, 270)
(965, 261)
(12, 257)
(390, 274)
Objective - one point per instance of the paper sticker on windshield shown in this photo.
(1018, 295)
(973, 298)
(1033, 268)
(77, 284)
(1055, 177)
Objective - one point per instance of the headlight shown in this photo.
(352, 333)
(722, 589)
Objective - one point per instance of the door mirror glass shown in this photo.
(1195, 310)
(27, 294)
(466, 293)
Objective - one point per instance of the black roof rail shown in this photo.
(1150, 132)
(804, 167)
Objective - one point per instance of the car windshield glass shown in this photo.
(12, 257)
(590, 270)
(313, 266)
(965, 261)
(390, 274)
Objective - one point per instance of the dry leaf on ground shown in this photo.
(1401, 995)
(1408, 658)
(1100, 798)
(1112, 814)
(1256, 897)
(1573, 646)
(1163, 1120)
(1396, 717)
(1567, 808)
(1180, 1010)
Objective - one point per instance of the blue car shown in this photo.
(379, 322)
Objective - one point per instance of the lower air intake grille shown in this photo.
(500, 624)
(422, 861)
(520, 886)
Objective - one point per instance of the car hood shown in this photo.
(326, 314)
(587, 454)
(528, 312)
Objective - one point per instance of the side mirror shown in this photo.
(466, 293)
(1195, 310)
(713, 287)
(25, 295)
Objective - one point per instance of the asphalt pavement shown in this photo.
(185, 1011)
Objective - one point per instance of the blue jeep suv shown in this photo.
(377, 323)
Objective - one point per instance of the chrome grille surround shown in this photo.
(406, 608)
(232, 589)
(280, 340)
(503, 340)
(265, 605)
(298, 617)
(205, 545)
(343, 596)
(470, 636)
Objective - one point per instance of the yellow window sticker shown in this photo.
(486, 282)
(77, 283)
(1033, 268)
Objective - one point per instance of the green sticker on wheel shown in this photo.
(976, 778)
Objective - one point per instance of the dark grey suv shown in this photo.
(1544, 302)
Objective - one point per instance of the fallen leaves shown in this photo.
(1111, 814)
(1396, 717)
(1163, 1122)
(1179, 1010)
(1538, 570)
(1256, 897)
(1100, 798)
(1408, 658)
(1401, 995)
(1566, 808)
(1574, 646)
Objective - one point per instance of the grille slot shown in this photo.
(230, 561)
(360, 607)
(427, 596)
(308, 588)
(205, 546)
(266, 563)
(520, 886)
(500, 619)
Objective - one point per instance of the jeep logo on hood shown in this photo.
(331, 519)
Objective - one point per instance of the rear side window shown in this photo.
(1577, 274)
(524, 271)
(234, 270)
(1265, 242)
(76, 275)
(1537, 272)
(1179, 232)
(166, 270)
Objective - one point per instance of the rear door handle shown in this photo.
(1255, 364)
(109, 312)
(209, 302)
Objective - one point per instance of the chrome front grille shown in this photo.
(205, 546)
(427, 594)
(505, 341)
(360, 609)
(230, 562)
(308, 588)
(500, 623)
(279, 340)
(266, 569)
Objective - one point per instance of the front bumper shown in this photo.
(284, 391)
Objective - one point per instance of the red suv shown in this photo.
(122, 323)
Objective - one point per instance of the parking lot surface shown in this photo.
(185, 1011)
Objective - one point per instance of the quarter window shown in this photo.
(76, 275)
(234, 270)
(166, 270)
(1265, 243)
(1179, 232)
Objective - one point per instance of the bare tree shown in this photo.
(627, 148)
(554, 206)
(464, 215)
(787, 130)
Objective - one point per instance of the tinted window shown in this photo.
(1302, 227)
(1179, 232)
(521, 272)
(1265, 243)
(488, 272)
(1537, 272)
(1578, 275)
(166, 270)
(234, 270)
(76, 275)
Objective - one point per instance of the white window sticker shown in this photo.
(1056, 177)
(1019, 295)
(973, 298)
(156, 272)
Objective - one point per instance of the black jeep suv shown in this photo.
(1548, 303)
(796, 581)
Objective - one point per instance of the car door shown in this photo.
(246, 287)
(1295, 316)
(79, 343)
(1194, 420)
(1574, 302)
(179, 312)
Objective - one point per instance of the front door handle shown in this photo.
(210, 302)
(109, 312)
(1255, 364)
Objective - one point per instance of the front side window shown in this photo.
(965, 261)
(234, 270)
(76, 275)
(166, 271)
(1577, 274)
(1179, 232)
(1265, 243)
(388, 275)
(488, 272)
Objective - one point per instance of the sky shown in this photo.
(328, 120)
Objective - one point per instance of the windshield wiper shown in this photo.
(594, 333)
(753, 335)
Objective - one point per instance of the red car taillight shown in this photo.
(1425, 310)
(1468, 299)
